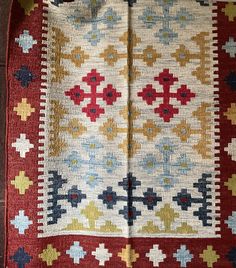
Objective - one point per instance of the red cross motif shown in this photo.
(78, 95)
(166, 110)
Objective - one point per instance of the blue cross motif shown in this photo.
(166, 34)
(129, 211)
(24, 75)
(183, 256)
(92, 146)
(21, 257)
(74, 196)
(110, 18)
(173, 170)
(25, 41)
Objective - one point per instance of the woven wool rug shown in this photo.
(121, 135)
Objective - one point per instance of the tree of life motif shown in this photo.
(166, 110)
(130, 212)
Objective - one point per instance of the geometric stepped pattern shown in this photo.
(121, 134)
(125, 151)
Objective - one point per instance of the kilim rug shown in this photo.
(121, 135)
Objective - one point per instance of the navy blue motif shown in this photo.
(129, 211)
(24, 75)
(21, 257)
(203, 2)
(185, 200)
(232, 256)
(131, 2)
(231, 80)
(74, 196)
(57, 2)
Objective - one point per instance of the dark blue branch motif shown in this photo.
(129, 211)
(203, 2)
(57, 2)
(73, 196)
(185, 200)
(131, 2)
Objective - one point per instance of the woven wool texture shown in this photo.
(121, 134)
